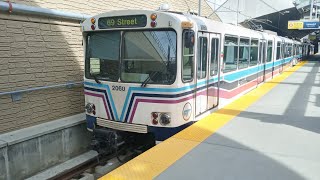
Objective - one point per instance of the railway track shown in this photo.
(113, 151)
(90, 165)
(76, 171)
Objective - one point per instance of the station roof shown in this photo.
(278, 22)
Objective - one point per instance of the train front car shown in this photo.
(133, 86)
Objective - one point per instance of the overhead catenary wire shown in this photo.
(189, 9)
(249, 17)
(270, 6)
(220, 6)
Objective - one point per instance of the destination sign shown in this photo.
(122, 21)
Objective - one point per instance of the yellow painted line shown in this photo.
(157, 159)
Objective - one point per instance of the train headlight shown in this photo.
(93, 20)
(154, 117)
(186, 25)
(91, 108)
(153, 17)
(165, 119)
(155, 121)
(153, 24)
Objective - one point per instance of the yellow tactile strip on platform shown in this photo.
(154, 161)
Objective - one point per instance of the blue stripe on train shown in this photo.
(253, 70)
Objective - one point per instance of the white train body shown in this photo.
(158, 72)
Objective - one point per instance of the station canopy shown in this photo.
(273, 15)
(278, 22)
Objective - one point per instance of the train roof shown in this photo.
(200, 22)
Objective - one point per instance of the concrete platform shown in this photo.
(278, 137)
(272, 132)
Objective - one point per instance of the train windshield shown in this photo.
(132, 56)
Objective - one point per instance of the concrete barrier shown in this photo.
(28, 151)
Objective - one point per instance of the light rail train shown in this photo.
(156, 72)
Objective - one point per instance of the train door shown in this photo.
(282, 57)
(262, 61)
(201, 91)
(207, 72)
(213, 74)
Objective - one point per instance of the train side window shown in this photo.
(289, 50)
(269, 51)
(278, 50)
(254, 52)
(230, 56)
(202, 58)
(286, 54)
(244, 50)
(283, 47)
(214, 56)
(300, 49)
(188, 56)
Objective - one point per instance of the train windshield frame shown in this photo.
(132, 56)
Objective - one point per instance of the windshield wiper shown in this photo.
(145, 82)
(95, 78)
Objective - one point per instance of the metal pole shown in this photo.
(311, 9)
(24, 9)
(68, 84)
(237, 12)
(218, 7)
(199, 13)
(278, 20)
(316, 13)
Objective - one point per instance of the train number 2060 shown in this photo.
(118, 88)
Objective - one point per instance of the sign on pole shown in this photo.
(311, 25)
(301, 25)
(295, 25)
